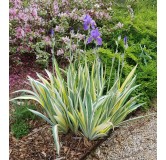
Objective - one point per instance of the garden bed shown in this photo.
(93, 107)
(39, 143)
(24, 65)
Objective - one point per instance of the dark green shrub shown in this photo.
(146, 72)
(139, 20)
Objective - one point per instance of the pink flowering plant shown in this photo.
(33, 24)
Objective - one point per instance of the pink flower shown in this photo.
(60, 52)
(28, 49)
(34, 12)
(62, 14)
(41, 30)
(37, 34)
(56, 7)
(19, 48)
(13, 12)
(65, 1)
(119, 25)
(73, 47)
(47, 40)
(30, 38)
(106, 16)
(66, 39)
(17, 3)
(27, 29)
(81, 36)
(23, 16)
(57, 28)
(20, 32)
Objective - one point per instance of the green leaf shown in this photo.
(41, 115)
(56, 138)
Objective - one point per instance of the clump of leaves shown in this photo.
(20, 117)
(20, 129)
(80, 102)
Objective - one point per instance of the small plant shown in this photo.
(19, 117)
(20, 129)
(21, 111)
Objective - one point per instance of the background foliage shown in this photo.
(139, 19)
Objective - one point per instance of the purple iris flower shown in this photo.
(52, 32)
(88, 21)
(93, 24)
(71, 28)
(95, 35)
(125, 40)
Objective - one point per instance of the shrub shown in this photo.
(141, 32)
(33, 24)
(80, 101)
(146, 72)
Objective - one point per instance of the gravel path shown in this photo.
(133, 141)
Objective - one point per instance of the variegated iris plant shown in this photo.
(78, 100)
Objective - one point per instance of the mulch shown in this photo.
(18, 72)
(39, 144)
